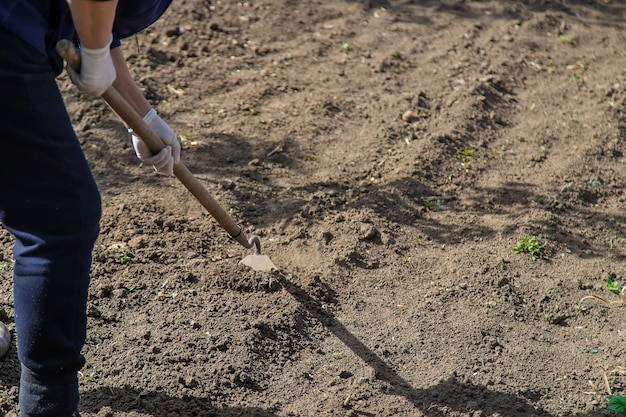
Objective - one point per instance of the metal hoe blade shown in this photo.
(257, 261)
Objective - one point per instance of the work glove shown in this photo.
(168, 156)
(97, 71)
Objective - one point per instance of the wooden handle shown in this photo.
(66, 49)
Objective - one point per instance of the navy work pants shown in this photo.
(50, 203)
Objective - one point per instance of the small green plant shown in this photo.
(88, 372)
(467, 157)
(566, 38)
(581, 308)
(612, 285)
(433, 203)
(617, 403)
(134, 287)
(534, 247)
(123, 259)
(345, 47)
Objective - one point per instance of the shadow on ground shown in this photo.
(449, 396)
(437, 401)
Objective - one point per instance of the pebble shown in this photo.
(410, 116)
(105, 411)
(137, 242)
(367, 232)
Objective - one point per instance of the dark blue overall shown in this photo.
(49, 201)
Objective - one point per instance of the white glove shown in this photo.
(168, 156)
(97, 71)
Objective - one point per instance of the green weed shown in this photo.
(617, 403)
(88, 372)
(433, 203)
(467, 157)
(613, 286)
(123, 259)
(534, 247)
(134, 287)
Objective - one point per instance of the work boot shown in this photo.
(5, 340)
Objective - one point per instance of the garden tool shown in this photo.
(256, 261)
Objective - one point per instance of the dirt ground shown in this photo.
(391, 156)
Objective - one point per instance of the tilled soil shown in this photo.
(391, 156)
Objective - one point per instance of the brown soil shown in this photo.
(399, 290)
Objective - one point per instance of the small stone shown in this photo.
(119, 293)
(174, 32)
(410, 116)
(105, 412)
(137, 242)
(367, 232)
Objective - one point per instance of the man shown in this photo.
(49, 200)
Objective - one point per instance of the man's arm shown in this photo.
(102, 67)
(126, 86)
(93, 21)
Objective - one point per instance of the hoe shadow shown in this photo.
(434, 401)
